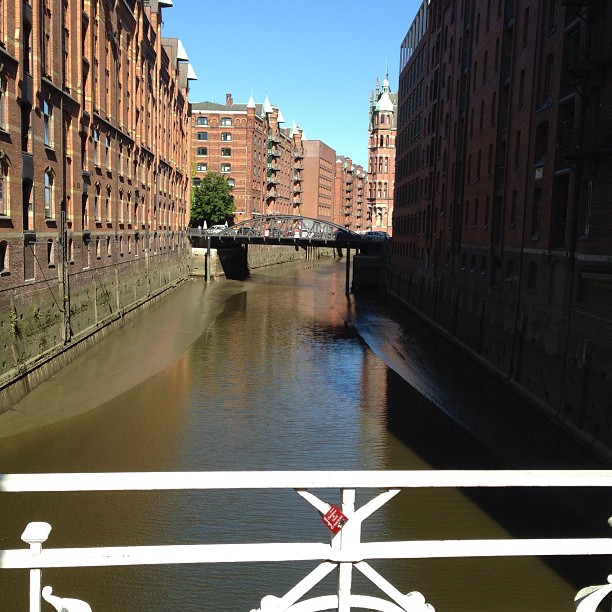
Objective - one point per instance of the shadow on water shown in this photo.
(525, 513)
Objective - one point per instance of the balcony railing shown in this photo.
(342, 554)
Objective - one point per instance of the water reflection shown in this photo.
(267, 374)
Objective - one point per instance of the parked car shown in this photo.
(376, 236)
(344, 234)
(216, 229)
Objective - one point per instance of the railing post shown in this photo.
(348, 536)
(34, 535)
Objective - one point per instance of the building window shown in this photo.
(201, 167)
(97, 205)
(47, 124)
(107, 157)
(49, 195)
(96, 141)
(226, 152)
(4, 207)
(3, 106)
(226, 167)
(202, 151)
(50, 254)
(231, 182)
(226, 121)
(552, 14)
(226, 137)
(202, 120)
(202, 135)
(4, 257)
(548, 78)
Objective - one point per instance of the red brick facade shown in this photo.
(93, 137)
(248, 144)
(349, 187)
(319, 181)
(381, 158)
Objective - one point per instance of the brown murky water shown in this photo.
(267, 375)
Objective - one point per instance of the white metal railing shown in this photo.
(342, 554)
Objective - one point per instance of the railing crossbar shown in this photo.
(299, 551)
(147, 481)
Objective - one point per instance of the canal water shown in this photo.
(284, 372)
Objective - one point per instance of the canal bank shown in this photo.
(43, 331)
(269, 374)
(410, 307)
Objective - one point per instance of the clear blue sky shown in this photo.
(317, 60)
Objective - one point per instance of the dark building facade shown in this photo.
(503, 209)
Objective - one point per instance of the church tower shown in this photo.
(381, 157)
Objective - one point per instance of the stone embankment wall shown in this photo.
(40, 335)
(231, 261)
(560, 365)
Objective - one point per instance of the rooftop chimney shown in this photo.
(228, 99)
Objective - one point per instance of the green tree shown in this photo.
(212, 201)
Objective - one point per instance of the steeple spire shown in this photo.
(251, 102)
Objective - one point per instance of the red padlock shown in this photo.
(334, 519)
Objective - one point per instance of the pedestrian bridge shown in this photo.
(331, 495)
(287, 230)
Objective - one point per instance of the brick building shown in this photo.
(93, 108)
(94, 166)
(502, 220)
(248, 144)
(349, 186)
(319, 172)
(381, 157)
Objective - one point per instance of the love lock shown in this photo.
(334, 519)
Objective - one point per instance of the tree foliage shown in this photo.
(212, 201)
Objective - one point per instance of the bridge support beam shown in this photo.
(347, 288)
(207, 263)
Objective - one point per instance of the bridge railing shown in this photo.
(344, 552)
(281, 226)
